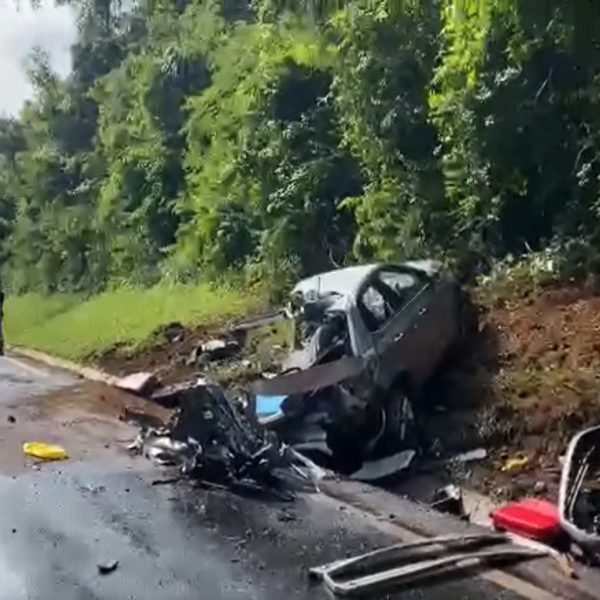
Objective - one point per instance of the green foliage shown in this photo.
(515, 101)
(380, 86)
(197, 137)
(75, 328)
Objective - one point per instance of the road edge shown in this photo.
(90, 373)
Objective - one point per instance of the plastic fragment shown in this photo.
(45, 451)
(515, 464)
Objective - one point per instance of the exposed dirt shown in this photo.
(538, 357)
(175, 356)
(166, 357)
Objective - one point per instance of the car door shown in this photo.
(393, 303)
(417, 342)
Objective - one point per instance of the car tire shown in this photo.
(401, 427)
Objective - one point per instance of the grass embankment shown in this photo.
(76, 327)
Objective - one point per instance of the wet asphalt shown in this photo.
(59, 521)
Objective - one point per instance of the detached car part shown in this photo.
(579, 493)
(424, 559)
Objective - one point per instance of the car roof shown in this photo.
(341, 281)
(346, 281)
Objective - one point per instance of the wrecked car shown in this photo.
(367, 338)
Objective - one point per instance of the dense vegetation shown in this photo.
(272, 138)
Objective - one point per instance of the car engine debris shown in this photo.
(210, 439)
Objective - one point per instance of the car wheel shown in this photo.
(401, 429)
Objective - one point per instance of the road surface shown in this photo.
(60, 520)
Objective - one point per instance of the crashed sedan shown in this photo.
(366, 340)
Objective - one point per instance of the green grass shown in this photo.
(73, 327)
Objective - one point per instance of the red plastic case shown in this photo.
(531, 518)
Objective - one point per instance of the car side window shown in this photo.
(377, 304)
(404, 285)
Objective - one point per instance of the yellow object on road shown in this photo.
(516, 464)
(45, 451)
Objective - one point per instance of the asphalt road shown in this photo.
(59, 521)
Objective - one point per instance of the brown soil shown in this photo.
(542, 353)
(166, 358)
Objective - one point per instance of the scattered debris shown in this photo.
(566, 564)
(515, 464)
(11, 419)
(219, 349)
(213, 350)
(138, 383)
(540, 487)
(169, 481)
(286, 516)
(385, 467)
(108, 567)
(420, 560)
(173, 332)
(241, 330)
(449, 499)
(470, 456)
(531, 518)
(45, 451)
(210, 439)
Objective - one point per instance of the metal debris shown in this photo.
(449, 499)
(108, 567)
(169, 396)
(470, 455)
(426, 559)
(210, 439)
(219, 349)
(213, 350)
(138, 383)
(173, 332)
(385, 467)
